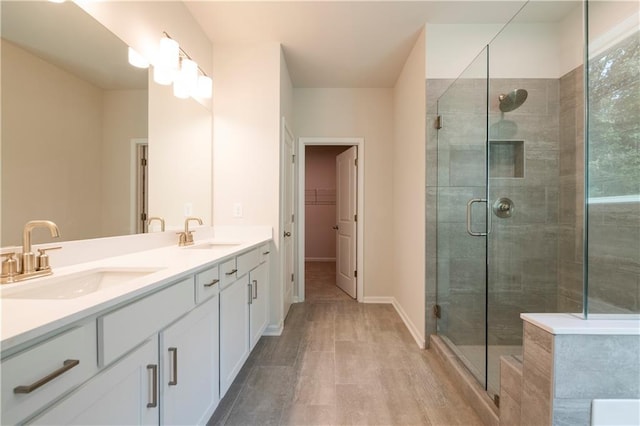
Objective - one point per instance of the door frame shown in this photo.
(300, 223)
(134, 143)
(285, 129)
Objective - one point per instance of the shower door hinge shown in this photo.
(437, 311)
(355, 274)
(439, 122)
(355, 217)
(143, 162)
(143, 216)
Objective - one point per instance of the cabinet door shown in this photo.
(259, 315)
(124, 394)
(189, 358)
(234, 330)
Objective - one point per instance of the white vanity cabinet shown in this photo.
(125, 393)
(259, 307)
(164, 357)
(189, 359)
(234, 330)
(39, 375)
(244, 312)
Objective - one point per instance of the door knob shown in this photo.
(335, 227)
(287, 233)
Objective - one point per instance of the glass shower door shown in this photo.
(461, 217)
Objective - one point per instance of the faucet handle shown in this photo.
(42, 260)
(43, 250)
(9, 265)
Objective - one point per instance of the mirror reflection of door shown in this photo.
(142, 187)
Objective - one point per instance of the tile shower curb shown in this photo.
(475, 395)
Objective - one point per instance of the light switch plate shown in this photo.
(237, 210)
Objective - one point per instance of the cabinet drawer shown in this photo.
(247, 261)
(228, 273)
(55, 359)
(125, 328)
(265, 251)
(207, 284)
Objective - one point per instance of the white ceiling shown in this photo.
(340, 43)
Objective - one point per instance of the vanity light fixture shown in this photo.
(137, 60)
(57, 1)
(174, 65)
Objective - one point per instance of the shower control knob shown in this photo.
(503, 208)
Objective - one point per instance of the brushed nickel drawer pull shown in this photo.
(212, 283)
(154, 386)
(255, 289)
(231, 272)
(174, 380)
(250, 294)
(66, 366)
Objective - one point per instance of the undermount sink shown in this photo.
(77, 285)
(211, 246)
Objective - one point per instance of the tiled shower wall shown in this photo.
(528, 252)
(536, 256)
(570, 248)
(523, 249)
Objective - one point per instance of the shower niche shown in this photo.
(506, 158)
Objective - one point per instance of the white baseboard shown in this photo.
(417, 336)
(403, 315)
(273, 330)
(319, 259)
(378, 299)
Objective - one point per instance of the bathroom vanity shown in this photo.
(154, 336)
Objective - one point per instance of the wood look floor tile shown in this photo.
(339, 362)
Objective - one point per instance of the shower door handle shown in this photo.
(469, 205)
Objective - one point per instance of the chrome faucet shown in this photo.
(186, 237)
(31, 266)
(159, 219)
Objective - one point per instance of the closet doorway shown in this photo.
(330, 201)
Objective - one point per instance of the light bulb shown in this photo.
(167, 61)
(137, 60)
(186, 81)
(205, 86)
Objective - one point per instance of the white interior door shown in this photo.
(287, 234)
(346, 211)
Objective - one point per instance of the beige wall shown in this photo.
(366, 113)
(409, 117)
(246, 170)
(125, 118)
(51, 150)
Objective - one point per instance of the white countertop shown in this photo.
(27, 319)
(575, 324)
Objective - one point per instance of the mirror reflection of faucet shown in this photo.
(30, 265)
(186, 237)
(159, 219)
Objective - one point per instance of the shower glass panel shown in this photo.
(533, 151)
(613, 158)
(462, 175)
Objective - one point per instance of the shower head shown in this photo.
(512, 100)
